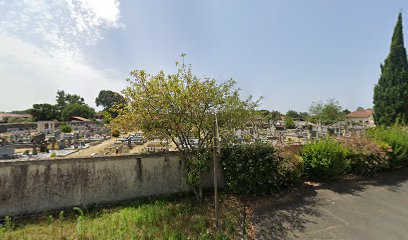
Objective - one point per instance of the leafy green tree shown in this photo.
(44, 112)
(78, 110)
(289, 123)
(391, 92)
(346, 111)
(328, 113)
(292, 114)
(275, 115)
(303, 116)
(108, 99)
(64, 100)
(181, 107)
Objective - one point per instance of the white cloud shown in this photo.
(41, 45)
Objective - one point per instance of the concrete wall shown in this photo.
(21, 126)
(38, 185)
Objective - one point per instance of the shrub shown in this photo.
(397, 138)
(366, 157)
(65, 128)
(324, 160)
(53, 154)
(115, 133)
(258, 168)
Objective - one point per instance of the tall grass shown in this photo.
(160, 219)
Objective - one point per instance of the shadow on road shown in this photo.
(285, 216)
(354, 185)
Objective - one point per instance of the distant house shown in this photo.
(364, 117)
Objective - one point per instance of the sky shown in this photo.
(290, 52)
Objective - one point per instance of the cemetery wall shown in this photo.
(21, 126)
(31, 186)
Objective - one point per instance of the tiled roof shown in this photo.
(360, 114)
(80, 119)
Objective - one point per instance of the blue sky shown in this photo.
(290, 52)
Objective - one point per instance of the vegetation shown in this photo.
(391, 92)
(159, 219)
(63, 100)
(258, 168)
(79, 110)
(108, 100)
(182, 107)
(397, 138)
(289, 123)
(326, 114)
(65, 128)
(44, 112)
(324, 160)
(366, 157)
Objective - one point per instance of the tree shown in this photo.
(391, 92)
(64, 100)
(108, 99)
(303, 116)
(360, 109)
(289, 123)
(276, 115)
(292, 114)
(78, 110)
(181, 107)
(65, 128)
(44, 112)
(328, 113)
(346, 111)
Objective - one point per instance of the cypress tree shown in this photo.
(391, 92)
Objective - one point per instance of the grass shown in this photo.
(181, 218)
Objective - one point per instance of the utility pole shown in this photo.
(215, 153)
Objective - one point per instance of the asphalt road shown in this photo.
(352, 208)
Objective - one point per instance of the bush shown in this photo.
(324, 160)
(65, 128)
(258, 168)
(115, 133)
(397, 138)
(365, 156)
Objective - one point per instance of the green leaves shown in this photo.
(324, 160)
(259, 168)
(391, 92)
(181, 107)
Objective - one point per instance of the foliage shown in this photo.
(258, 168)
(108, 99)
(65, 128)
(181, 107)
(63, 100)
(366, 157)
(397, 138)
(44, 112)
(289, 123)
(346, 111)
(324, 160)
(156, 219)
(292, 114)
(79, 110)
(19, 120)
(391, 92)
(360, 109)
(115, 133)
(53, 154)
(328, 113)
